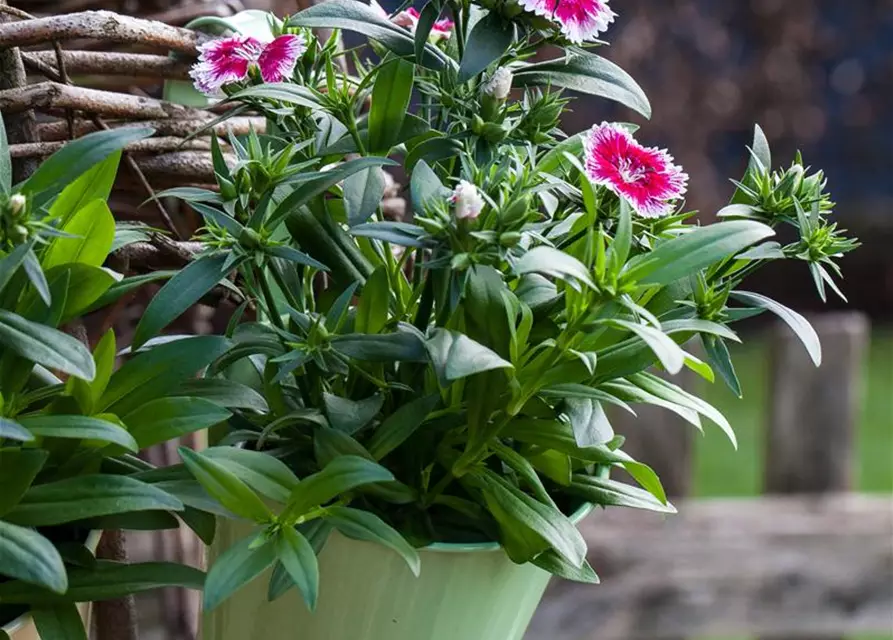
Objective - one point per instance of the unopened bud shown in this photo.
(498, 85)
(17, 204)
(467, 200)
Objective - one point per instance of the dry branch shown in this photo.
(54, 95)
(181, 127)
(99, 25)
(115, 63)
(188, 166)
(155, 145)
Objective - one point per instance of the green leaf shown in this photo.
(696, 250)
(170, 418)
(45, 346)
(18, 468)
(154, 373)
(223, 485)
(589, 421)
(362, 525)
(720, 359)
(72, 160)
(360, 17)
(106, 580)
(10, 263)
(401, 424)
(28, 556)
(363, 192)
(317, 533)
(125, 286)
(348, 415)
(390, 101)
(672, 393)
(5, 161)
(372, 310)
(86, 285)
(260, 471)
(587, 73)
(546, 521)
(279, 91)
(760, 149)
(78, 427)
(555, 263)
(455, 356)
(298, 558)
(94, 184)
(794, 320)
(89, 496)
(341, 475)
(425, 187)
(556, 565)
(37, 278)
(612, 493)
(179, 293)
(489, 39)
(236, 567)
(670, 354)
(399, 233)
(313, 187)
(59, 622)
(14, 431)
(401, 346)
(224, 393)
(88, 393)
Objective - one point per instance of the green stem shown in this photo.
(269, 300)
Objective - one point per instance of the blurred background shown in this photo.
(764, 546)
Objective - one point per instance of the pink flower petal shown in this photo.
(279, 57)
(645, 176)
(223, 61)
(408, 19)
(579, 20)
(442, 30)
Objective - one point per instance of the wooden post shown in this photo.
(115, 619)
(813, 412)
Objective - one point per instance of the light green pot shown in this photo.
(366, 592)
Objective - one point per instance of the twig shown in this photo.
(180, 127)
(100, 25)
(54, 95)
(116, 63)
(148, 145)
(22, 126)
(160, 247)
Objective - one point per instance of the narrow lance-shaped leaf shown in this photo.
(28, 556)
(179, 293)
(794, 320)
(232, 493)
(390, 100)
(362, 525)
(45, 346)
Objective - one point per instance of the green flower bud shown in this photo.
(510, 238)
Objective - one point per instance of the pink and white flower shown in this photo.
(229, 60)
(579, 20)
(645, 176)
(467, 201)
(409, 19)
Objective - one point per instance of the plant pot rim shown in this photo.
(469, 547)
(17, 624)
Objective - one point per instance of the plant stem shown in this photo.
(269, 300)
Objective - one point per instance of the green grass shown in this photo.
(721, 471)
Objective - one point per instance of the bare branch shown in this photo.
(54, 95)
(115, 63)
(186, 165)
(100, 25)
(154, 145)
(181, 127)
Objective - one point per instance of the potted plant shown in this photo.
(69, 423)
(440, 385)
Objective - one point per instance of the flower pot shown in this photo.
(22, 628)
(366, 592)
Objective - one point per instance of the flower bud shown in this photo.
(17, 204)
(467, 200)
(498, 85)
(494, 93)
